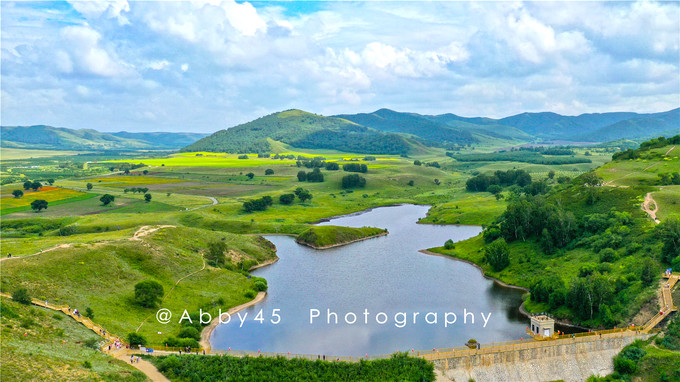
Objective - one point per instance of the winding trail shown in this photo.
(141, 232)
(214, 202)
(144, 366)
(646, 207)
(170, 291)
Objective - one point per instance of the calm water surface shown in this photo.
(385, 274)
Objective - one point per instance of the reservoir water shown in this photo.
(385, 274)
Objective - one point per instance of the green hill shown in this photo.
(300, 129)
(666, 124)
(61, 138)
(597, 127)
(586, 250)
(163, 139)
(429, 131)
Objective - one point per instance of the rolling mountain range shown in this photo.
(60, 138)
(381, 132)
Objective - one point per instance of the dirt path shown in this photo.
(669, 151)
(60, 246)
(646, 206)
(207, 331)
(214, 202)
(141, 232)
(145, 367)
(147, 229)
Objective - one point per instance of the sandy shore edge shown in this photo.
(207, 331)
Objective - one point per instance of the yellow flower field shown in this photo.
(51, 194)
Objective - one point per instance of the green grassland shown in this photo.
(101, 266)
(9, 153)
(41, 344)
(331, 236)
(102, 276)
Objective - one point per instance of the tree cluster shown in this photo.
(259, 204)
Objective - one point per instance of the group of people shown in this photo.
(134, 358)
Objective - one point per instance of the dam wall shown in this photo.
(568, 360)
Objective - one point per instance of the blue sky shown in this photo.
(203, 66)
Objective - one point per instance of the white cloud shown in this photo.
(81, 45)
(108, 8)
(212, 64)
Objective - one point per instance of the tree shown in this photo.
(417, 162)
(147, 198)
(648, 271)
(27, 185)
(50, 181)
(107, 199)
(36, 185)
(286, 198)
(669, 231)
(136, 339)
(89, 186)
(215, 255)
(145, 172)
(494, 189)
(497, 254)
(269, 171)
(437, 181)
(332, 166)
(304, 195)
(18, 193)
(89, 313)
(21, 296)
(148, 293)
(127, 171)
(410, 183)
(354, 180)
(449, 244)
(551, 174)
(250, 175)
(591, 179)
(39, 204)
(315, 176)
(302, 176)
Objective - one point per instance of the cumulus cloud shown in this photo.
(214, 64)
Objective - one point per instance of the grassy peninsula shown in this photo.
(328, 236)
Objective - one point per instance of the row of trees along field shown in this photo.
(193, 368)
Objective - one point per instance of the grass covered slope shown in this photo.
(41, 344)
(103, 275)
(212, 369)
(328, 236)
(586, 250)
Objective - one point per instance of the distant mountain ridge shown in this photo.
(61, 138)
(384, 131)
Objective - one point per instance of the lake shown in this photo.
(393, 292)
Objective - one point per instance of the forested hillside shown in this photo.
(585, 248)
(300, 129)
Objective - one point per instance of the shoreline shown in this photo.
(521, 308)
(206, 333)
(385, 233)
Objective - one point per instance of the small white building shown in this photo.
(542, 325)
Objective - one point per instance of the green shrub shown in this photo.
(148, 293)
(260, 286)
(21, 296)
(136, 339)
